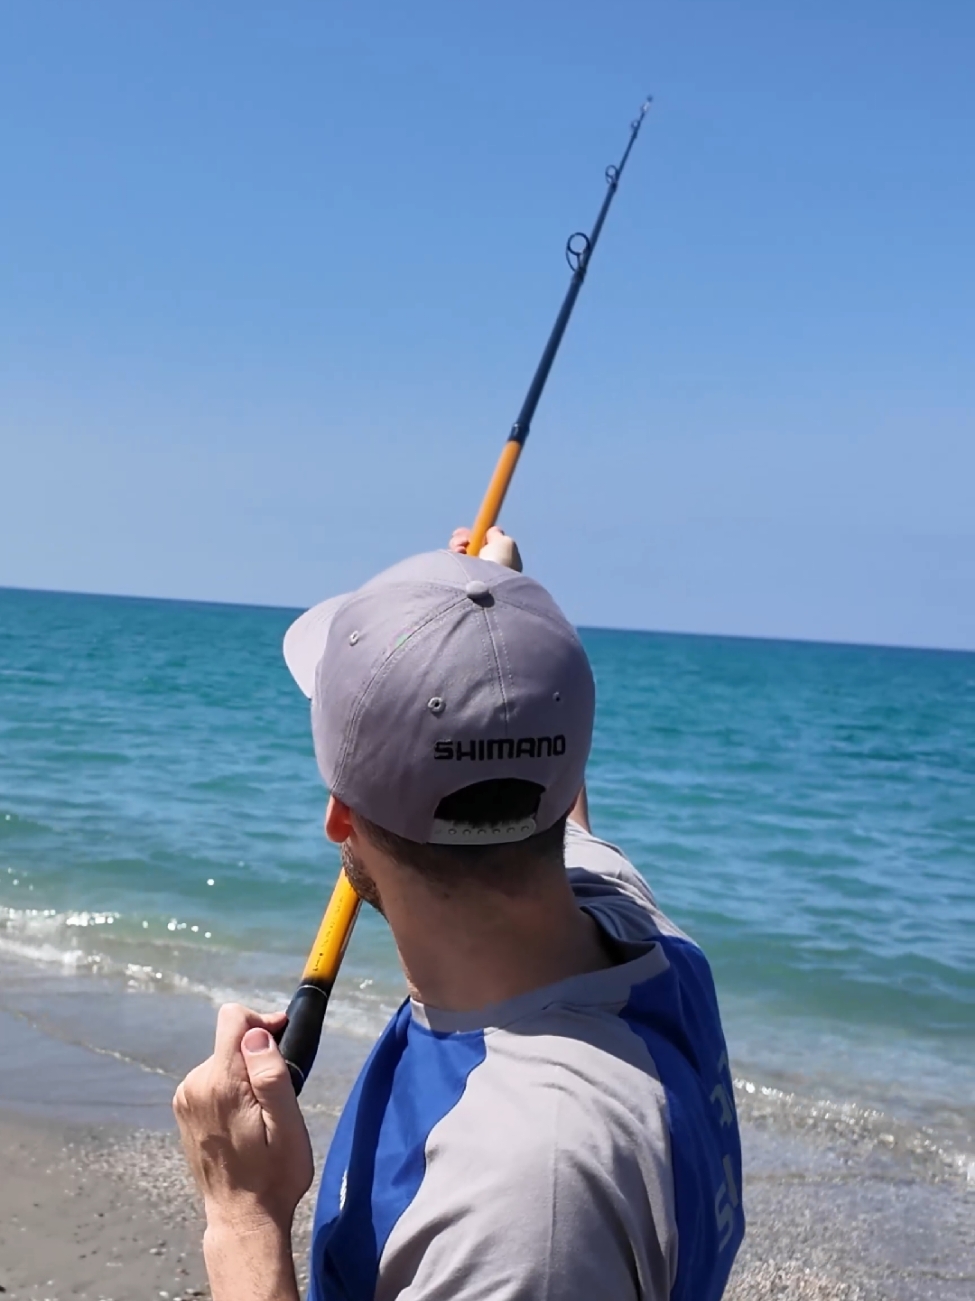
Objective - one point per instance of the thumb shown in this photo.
(501, 549)
(269, 1078)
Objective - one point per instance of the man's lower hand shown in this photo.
(248, 1148)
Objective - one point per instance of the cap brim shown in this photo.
(304, 642)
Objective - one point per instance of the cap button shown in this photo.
(477, 590)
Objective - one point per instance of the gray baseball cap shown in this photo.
(441, 672)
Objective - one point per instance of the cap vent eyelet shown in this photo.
(557, 697)
(479, 593)
(436, 704)
(353, 638)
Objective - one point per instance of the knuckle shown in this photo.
(236, 1018)
(190, 1090)
(183, 1100)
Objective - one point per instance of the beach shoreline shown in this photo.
(96, 1204)
(96, 1201)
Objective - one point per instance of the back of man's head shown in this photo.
(452, 707)
(512, 869)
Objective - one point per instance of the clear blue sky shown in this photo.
(273, 279)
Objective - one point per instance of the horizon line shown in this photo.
(582, 627)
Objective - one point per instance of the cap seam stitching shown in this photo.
(456, 559)
(497, 665)
(374, 681)
(562, 625)
(494, 649)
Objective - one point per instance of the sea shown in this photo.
(806, 812)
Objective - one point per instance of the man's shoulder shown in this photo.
(570, 1076)
(558, 1148)
(610, 888)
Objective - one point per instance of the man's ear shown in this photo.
(338, 821)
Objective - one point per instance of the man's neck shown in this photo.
(471, 950)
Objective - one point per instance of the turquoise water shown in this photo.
(806, 812)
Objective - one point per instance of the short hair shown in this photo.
(509, 869)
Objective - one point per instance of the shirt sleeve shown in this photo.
(607, 885)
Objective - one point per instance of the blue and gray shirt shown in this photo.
(574, 1143)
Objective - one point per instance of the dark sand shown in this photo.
(95, 1202)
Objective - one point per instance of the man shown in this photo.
(549, 1116)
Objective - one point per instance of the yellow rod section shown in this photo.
(334, 933)
(487, 516)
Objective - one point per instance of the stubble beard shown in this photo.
(360, 880)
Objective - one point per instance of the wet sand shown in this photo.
(71, 1227)
(95, 1202)
(95, 1215)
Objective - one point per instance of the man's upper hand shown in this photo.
(497, 547)
(242, 1129)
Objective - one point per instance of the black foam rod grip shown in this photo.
(300, 1038)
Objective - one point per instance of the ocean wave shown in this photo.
(104, 945)
(16, 823)
(109, 946)
(854, 1134)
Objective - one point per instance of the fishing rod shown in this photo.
(306, 1011)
